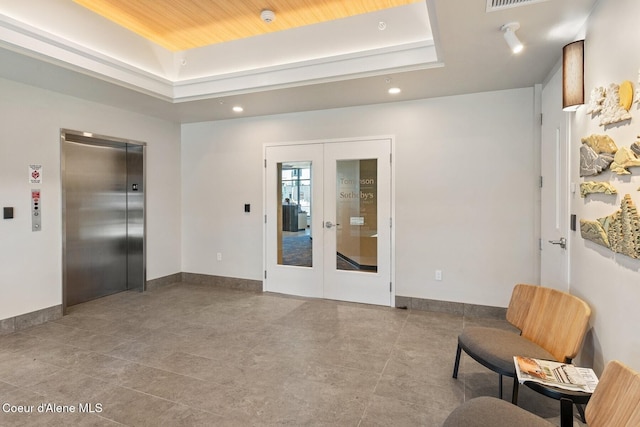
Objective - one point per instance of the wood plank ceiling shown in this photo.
(185, 24)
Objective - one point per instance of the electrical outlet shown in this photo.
(438, 274)
(219, 256)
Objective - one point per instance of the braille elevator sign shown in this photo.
(35, 174)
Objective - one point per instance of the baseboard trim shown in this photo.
(161, 282)
(222, 281)
(28, 320)
(205, 279)
(458, 308)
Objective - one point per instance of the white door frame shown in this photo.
(391, 138)
(555, 269)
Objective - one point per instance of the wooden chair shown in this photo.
(615, 403)
(552, 324)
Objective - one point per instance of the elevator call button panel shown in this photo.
(36, 212)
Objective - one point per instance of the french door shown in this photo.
(328, 220)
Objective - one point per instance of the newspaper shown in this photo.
(555, 374)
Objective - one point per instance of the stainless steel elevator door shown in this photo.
(100, 257)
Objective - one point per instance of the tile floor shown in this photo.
(196, 355)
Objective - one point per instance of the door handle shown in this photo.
(562, 242)
(329, 224)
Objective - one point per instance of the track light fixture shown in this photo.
(509, 32)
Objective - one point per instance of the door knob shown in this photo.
(329, 224)
(562, 242)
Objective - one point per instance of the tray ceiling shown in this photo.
(186, 24)
(428, 48)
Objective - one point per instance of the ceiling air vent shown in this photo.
(495, 5)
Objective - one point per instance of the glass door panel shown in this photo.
(357, 215)
(294, 196)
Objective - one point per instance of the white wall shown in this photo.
(465, 187)
(609, 282)
(31, 119)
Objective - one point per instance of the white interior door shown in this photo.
(343, 250)
(554, 260)
(357, 246)
(294, 259)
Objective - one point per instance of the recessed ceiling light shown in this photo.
(394, 90)
(238, 109)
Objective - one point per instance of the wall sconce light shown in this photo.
(573, 76)
(509, 32)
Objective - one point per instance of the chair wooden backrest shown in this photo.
(616, 400)
(556, 321)
(521, 299)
